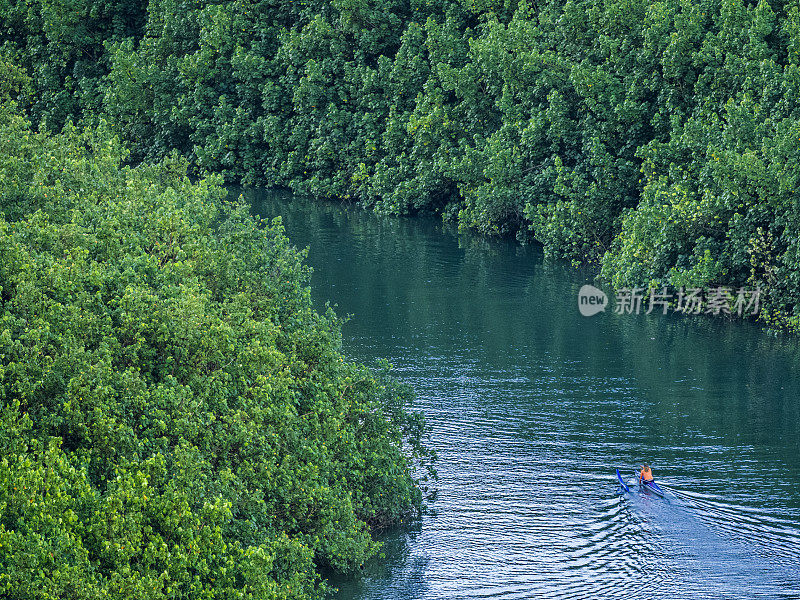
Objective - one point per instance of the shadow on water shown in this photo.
(532, 406)
(398, 565)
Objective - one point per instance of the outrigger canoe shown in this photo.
(650, 486)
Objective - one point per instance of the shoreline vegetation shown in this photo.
(658, 141)
(176, 420)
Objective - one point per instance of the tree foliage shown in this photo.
(177, 421)
(656, 138)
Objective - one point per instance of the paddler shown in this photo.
(646, 475)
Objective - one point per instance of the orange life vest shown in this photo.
(646, 475)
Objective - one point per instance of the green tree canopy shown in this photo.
(177, 419)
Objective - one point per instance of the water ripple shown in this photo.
(531, 406)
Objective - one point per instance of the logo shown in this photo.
(591, 300)
(717, 301)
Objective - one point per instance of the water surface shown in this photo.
(531, 407)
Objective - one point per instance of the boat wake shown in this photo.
(725, 542)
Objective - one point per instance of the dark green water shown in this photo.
(531, 406)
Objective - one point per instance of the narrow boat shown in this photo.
(652, 487)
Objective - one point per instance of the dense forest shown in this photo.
(176, 420)
(657, 139)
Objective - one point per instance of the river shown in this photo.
(532, 406)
